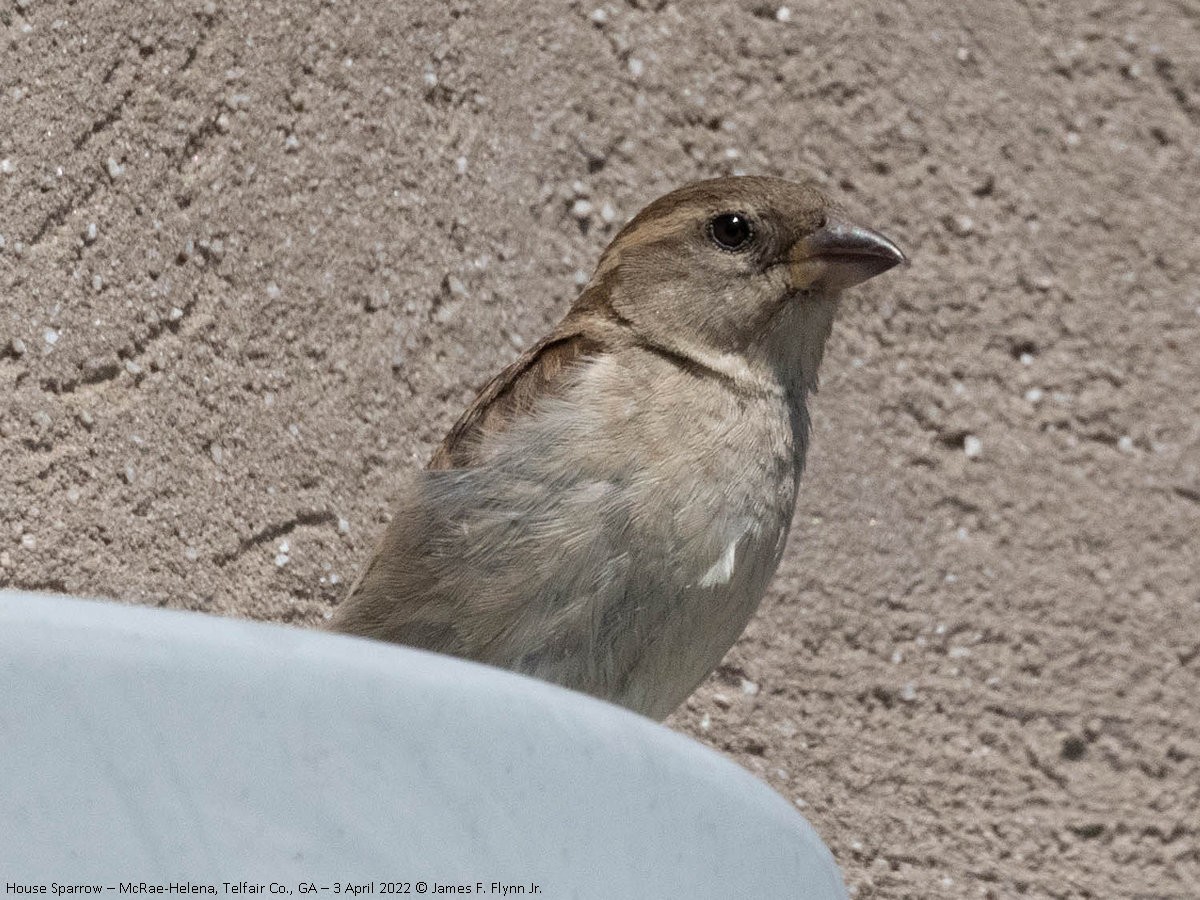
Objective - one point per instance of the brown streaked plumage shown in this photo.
(608, 512)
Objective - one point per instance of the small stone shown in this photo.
(749, 688)
(97, 283)
(608, 215)
(1125, 444)
(343, 525)
(783, 14)
(908, 693)
(430, 80)
(599, 16)
(460, 165)
(1035, 395)
(73, 495)
(175, 314)
(42, 419)
(581, 209)
(455, 287)
(191, 553)
(273, 291)
(959, 652)
(636, 67)
(1026, 359)
(91, 233)
(133, 367)
(217, 454)
(7, 167)
(28, 541)
(51, 336)
(115, 169)
(291, 144)
(705, 722)
(129, 474)
(960, 225)
(5, 560)
(18, 347)
(972, 446)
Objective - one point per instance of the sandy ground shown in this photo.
(255, 258)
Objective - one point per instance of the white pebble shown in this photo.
(28, 541)
(908, 693)
(783, 14)
(91, 233)
(1035, 395)
(460, 165)
(115, 169)
(1125, 444)
(7, 166)
(608, 215)
(50, 336)
(599, 16)
(581, 209)
(972, 446)
(749, 688)
(636, 67)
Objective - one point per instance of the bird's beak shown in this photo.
(840, 255)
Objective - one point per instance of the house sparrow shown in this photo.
(608, 512)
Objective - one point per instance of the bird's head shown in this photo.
(740, 265)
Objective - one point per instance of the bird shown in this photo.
(608, 512)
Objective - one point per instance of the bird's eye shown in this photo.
(730, 231)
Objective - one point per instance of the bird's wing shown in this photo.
(510, 571)
(538, 373)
